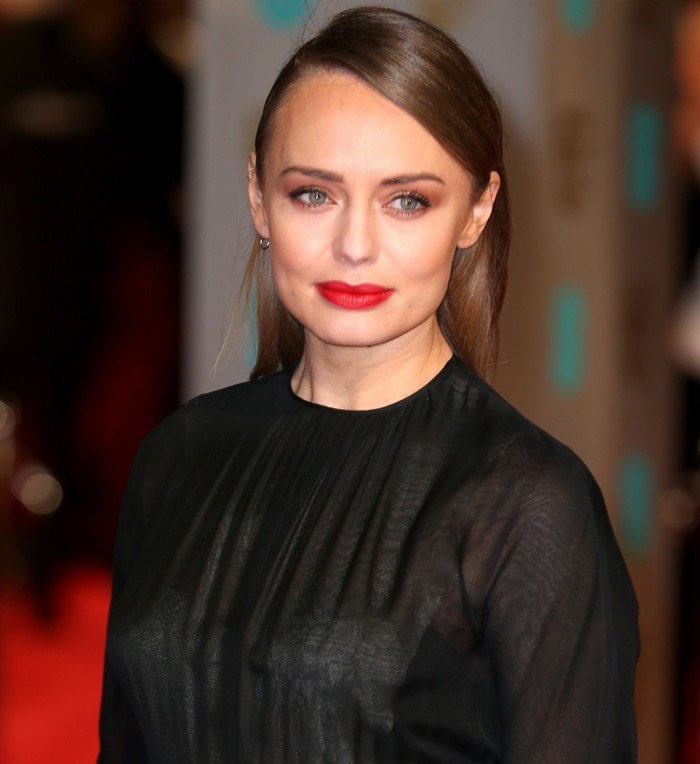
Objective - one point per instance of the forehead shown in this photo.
(335, 121)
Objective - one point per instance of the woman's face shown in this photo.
(364, 210)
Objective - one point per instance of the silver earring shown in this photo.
(264, 242)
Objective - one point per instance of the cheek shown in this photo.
(296, 243)
(292, 279)
(289, 257)
(283, 275)
(431, 265)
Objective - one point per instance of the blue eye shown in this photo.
(314, 197)
(406, 203)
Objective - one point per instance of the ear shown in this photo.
(480, 213)
(255, 197)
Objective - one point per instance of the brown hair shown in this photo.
(425, 72)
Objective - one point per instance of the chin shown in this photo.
(347, 340)
(356, 337)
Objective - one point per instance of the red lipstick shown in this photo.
(353, 296)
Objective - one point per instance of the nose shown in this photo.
(355, 241)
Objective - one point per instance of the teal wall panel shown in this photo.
(578, 15)
(568, 330)
(644, 156)
(637, 502)
(251, 337)
(283, 14)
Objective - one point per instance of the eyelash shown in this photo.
(297, 193)
(422, 200)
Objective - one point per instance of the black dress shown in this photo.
(435, 580)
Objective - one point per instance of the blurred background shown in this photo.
(124, 129)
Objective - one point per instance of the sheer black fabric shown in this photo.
(435, 580)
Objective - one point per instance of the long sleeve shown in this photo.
(560, 617)
(435, 580)
(120, 735)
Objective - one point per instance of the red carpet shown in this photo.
(51, 674)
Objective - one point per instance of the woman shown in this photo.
(369, 555)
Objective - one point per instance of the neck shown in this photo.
(360, 378)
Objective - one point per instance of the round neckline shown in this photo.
(444, 371)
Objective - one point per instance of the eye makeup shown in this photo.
(410, 203)
(316, 196)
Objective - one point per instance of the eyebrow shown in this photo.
(322, 174)
(397, 180)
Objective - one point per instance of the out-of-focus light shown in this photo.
(679, 510)
(54, 114)
(37, 489)
(8, 419)
(21, 10)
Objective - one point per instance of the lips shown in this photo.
(353, 296)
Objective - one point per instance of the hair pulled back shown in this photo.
(424, 71)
